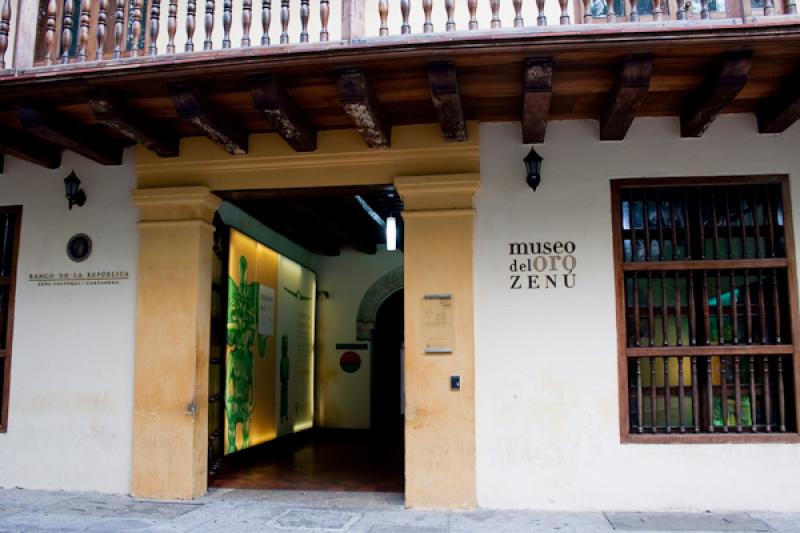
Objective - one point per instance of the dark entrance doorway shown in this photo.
(386, 414)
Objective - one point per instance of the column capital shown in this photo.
(176, 204)
(437, 192)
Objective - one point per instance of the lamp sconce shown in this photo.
(75, 195)
(533, 166)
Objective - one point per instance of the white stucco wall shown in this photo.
(547, 405)
(343, 400)
(71, 397)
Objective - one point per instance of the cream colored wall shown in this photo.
(71, 398)
(343, 400)
(547, 405)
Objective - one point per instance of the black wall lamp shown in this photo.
(533, 165)
(75, 195)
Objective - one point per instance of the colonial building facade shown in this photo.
(620, 336)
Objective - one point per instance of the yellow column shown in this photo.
(440, 423)
(173, 309)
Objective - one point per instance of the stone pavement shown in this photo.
(233, 511)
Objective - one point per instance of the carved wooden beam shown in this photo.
(359, 101)
(537, 91)
(54, 130)
(446, 97)
(725, 82)
(28, 148)
(626, 97)
(777, 113)
(283, 114)
(193, 107)
(117, 115)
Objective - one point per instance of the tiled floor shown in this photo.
(328, 460)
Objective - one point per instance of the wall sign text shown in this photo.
(542, 265)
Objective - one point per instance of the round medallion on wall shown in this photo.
(350, 362)
(79, 247)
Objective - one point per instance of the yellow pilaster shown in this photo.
(173, 300)
(440, 423)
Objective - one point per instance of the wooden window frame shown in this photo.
(5, 360)
(626, 435)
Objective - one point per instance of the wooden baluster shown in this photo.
(191, 8)
(119, 26)
(639, 397)
(682, 9)
(769, 8)
(611, 15)
(266, 18)
(723, 380)
(634, 245)
(762, 313)
(172, 25)
(305, 12)
(564, 13)
(208, 23)
(692, 310)
(541, 20)
(681, 396)
(767, 398)
(695, 396)
(102, 18)
(427, 7)
(227, 21)
(472, 7)
(5, 27)
(715, 241)
(405, 11)
(587, 11)
(753, 409)
(781, 398)
(702, 239)
(83, 30)
(776, 307)
(677, 287)
(791, 7)
(136, 26)
(634, 17)
(737, 383)
(383, 13)
(704, 9)
(657, 10)
(518, 20)
(284, 21)
(710, 394)
(247, 21)
(647, 257)
(732, 281)
(653, 397)
(667, 395)
(50, 34)
(662, 257)
(748, 309)
(324, 13)
(449, 7)
(155, 23)
(66, 32)
(495, 5)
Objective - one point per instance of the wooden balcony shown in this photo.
(94, 77)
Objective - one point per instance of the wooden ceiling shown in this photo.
(325, 220)
(694, 71)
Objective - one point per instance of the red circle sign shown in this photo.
(350, 362)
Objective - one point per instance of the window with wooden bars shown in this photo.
(706, 303)
(9, 244)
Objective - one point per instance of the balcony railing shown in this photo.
(83, 31)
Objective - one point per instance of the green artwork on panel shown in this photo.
(284, 375)
(242, 334)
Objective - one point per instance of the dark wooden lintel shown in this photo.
(446, 96)
(626, 97)
(54, 130)
(193, 107)
(720, 89)
(117, 115)
(777, 113)
(537, 91)
(283, 114)
(359, 101)
(28, 148)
